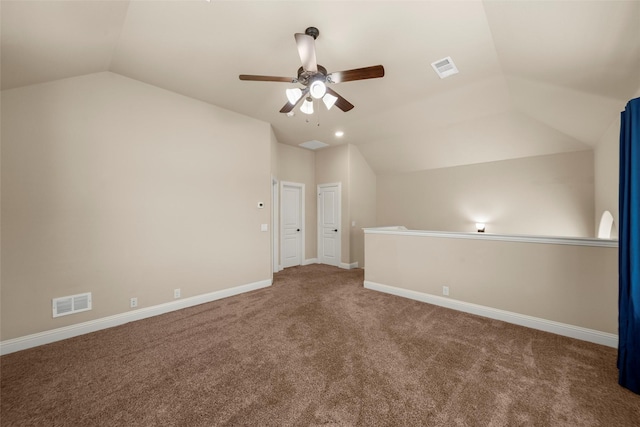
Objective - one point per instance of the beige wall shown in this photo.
(275, 253)
(362, 202)
(545, 195)
(332, 165)
(274, 154)
(298, 165)
(122, 189)
(607, 175)
(344, 164)
(607, 172)
(575, 285)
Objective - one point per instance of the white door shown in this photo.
(329, 229)
(292, 224)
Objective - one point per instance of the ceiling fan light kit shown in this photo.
(329, 100)
(314, 77)
(294, 94)
(307, 106)
(317, 89)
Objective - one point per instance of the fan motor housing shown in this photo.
(308, 77)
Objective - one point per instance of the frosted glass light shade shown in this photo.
(317, 89)
(329, 100)
(307, 106)
(293, 95)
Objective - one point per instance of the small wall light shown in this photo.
(480, 227)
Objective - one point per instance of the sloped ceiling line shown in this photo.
(118, 40)
(557, 69)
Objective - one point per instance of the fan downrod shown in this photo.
(313, 32)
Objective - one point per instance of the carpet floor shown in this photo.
(316, 348)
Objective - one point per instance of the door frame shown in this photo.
(275, 221)
(319, 213)
(302, 215)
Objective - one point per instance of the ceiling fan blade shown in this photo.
(267, 78)
(289, 106)
(373, 72)
(341, 103)
(307, 51)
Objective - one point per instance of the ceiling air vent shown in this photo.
(445, 67)
(313, 144)
(71, 304)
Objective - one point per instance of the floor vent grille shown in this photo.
(71, 304)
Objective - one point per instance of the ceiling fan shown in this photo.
(314, 78)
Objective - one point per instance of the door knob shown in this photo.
(336, 230)
(298, 229)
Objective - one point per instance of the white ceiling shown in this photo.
(536, 77)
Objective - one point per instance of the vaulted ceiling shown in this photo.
(536, 77)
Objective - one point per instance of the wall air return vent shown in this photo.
(445, 67)
(71, 304)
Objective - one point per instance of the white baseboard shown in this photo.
(348, 266)
(46, 337)
(341, 265)
(584, 334)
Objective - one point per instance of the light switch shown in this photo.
(353, 223)
(264, 227)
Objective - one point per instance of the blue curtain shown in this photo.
(629, 249)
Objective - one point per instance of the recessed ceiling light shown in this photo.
(339, 133)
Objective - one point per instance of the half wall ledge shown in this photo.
(555, 240)
(563, 285)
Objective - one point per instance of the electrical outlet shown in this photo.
(176, 293)
(445, 291)
(134, 302)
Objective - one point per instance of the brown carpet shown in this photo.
(316, 348)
